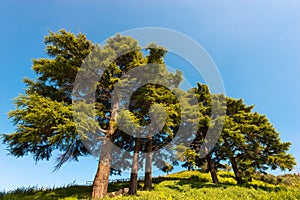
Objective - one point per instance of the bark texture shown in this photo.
(134, 169)
(212, 169)
(100, 183)
(148, 167)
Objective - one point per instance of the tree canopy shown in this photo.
(148, 119)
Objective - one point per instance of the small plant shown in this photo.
(167, 168)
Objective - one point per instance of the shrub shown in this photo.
(2, 194)
(269, 178)
(286, 180)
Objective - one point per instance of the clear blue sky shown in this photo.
(255, 44)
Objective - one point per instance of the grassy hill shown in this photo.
(183, 185)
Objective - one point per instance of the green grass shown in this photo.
(68, 192)
(183, 185)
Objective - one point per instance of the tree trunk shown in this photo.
(233, 163)
(148, 167)
(100, 184)
(210, 163)
(134, 170)
(212, 169)
(235, 170)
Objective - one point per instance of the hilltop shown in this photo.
(183, 185)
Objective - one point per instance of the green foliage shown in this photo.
(167, 168)
(45, 125)
(43, 115)
(250, 139)
(188, 156)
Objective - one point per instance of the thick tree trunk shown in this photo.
(148, 167)
(235, 170)
(234, 166)
(210, 163)
(212, 169)
(134, 170)
(100, 184)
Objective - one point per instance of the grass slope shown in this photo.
(183, 185)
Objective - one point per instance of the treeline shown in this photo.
(139, 132)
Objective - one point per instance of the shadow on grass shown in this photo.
(197, 183)
(265, 187)
(192, 178)
(112, 187)
(227, 175)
